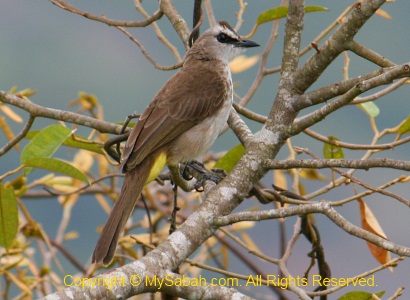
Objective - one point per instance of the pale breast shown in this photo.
(196, 142)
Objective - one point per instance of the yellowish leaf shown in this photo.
(312, 174)
(72, 235)
(13, 89)
(248, 241)
(18, 282)
(7, 130)
(279, 179)
(64, 188)
(370, 223)
(11, 114)
(26, 93)
(103, 165)
(243, 225)
(144, 238)
(383, 14)
(242, 63)
(51, 180)
(103, 202)
(302, 190)
(225, 257)
(83, 160)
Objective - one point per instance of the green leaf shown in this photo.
(8, 216)
(281, 12)
(45, 143)
(56, 165)
(360, 295)
(313, 8)
(272, 14)
(77, 143)
(230, 159)
(404, 126)
(370, 108)
(331, 151)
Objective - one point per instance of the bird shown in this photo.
(179, 125)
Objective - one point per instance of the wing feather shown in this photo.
(175, 109)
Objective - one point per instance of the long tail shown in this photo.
(131, 189)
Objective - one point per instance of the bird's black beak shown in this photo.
(246, 44)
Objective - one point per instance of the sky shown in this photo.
(60, 54)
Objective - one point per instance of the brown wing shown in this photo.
(174, 110)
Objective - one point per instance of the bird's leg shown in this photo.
(117, 140)
(178, 180)
(173, 218)
(127, 121)
(204, 174)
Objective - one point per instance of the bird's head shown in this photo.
(220, 42)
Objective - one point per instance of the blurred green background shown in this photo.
(59, 54)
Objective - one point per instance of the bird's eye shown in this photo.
(223, 38)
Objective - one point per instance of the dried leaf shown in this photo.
(23, 286)
(243, 225)
(7, 130)
(312, 174)
(26, 93)
(11, 114)
(383, 14)
(249, 241)
(225, 257)
(72, 235)
(279, 179)
(242, 63)
(103, 202)
(83, 160)
(370, 223)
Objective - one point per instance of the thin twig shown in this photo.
(402, 165)
(19, 136)
(381, 93)
(210, 12)
(159, 33)
(64, 5)
(325, 139)
(146, 53)
(70, 257)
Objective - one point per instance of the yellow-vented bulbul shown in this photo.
(179, 125)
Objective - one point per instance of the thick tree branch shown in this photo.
(176, 20)
(241, 130)
(335, 45)
(293, 35)
(336, 89)
(318, 115)
(369, 54)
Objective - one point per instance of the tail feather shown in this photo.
(131, 189)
